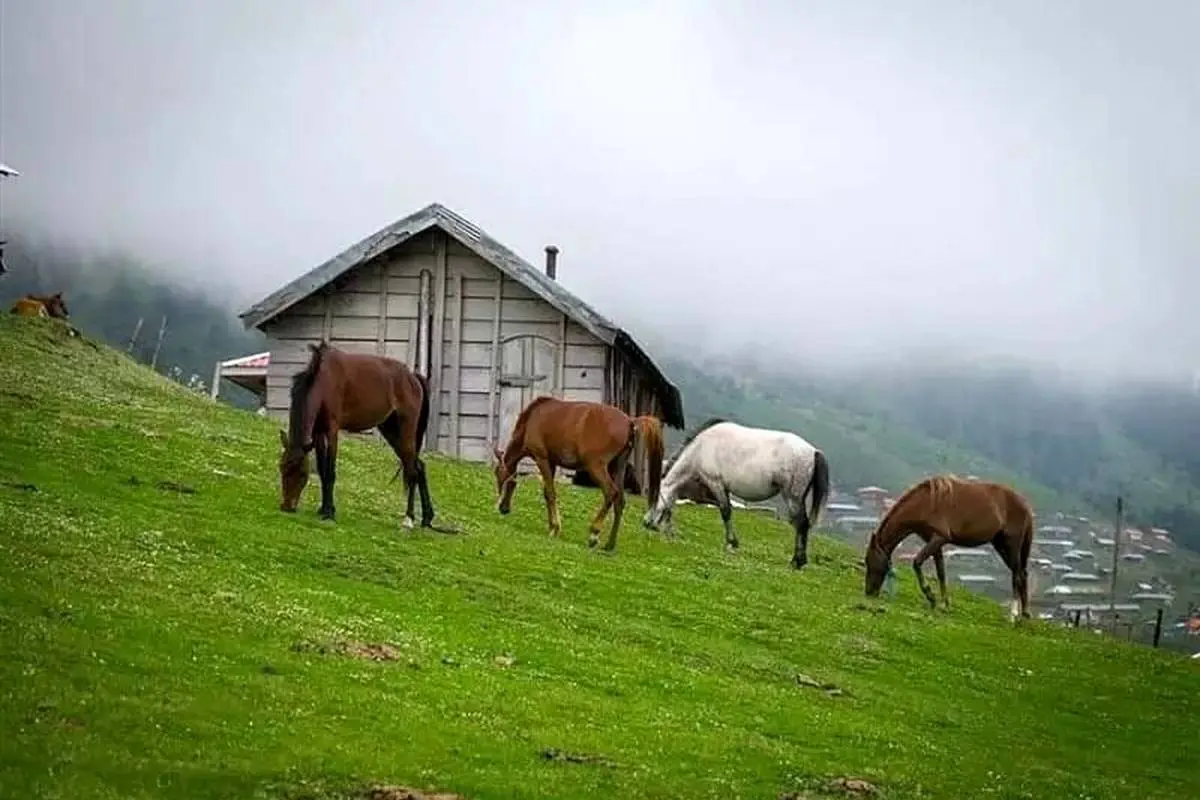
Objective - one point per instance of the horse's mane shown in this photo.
(536, 402)
(302, 383)
(687, 441)
(934, 484)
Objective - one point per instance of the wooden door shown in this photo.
(528, 368)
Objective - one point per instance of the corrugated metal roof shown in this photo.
(255, 361)
(496, 254)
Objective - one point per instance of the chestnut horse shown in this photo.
(946, 509)
(41, 305)
(580, 435)
(354, 392)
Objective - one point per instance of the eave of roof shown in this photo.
(490, 250)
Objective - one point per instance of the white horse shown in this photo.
(725, 459)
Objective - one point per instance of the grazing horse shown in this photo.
(353, 392)
(41, 305)
(580, 435)
(946, 509)
(724, 459)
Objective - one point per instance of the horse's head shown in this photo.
(506, 481)
(877, 565)
(293, 473)
(55, 305)
(658, 516)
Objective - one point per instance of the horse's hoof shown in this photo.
(798, 564)
(407, 523)
(592, 543)
(326, 513)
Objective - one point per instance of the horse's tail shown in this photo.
(422, 420)
(1026, 538)
(423, 414)
(818, 484)
(650, 429)
(300, 416)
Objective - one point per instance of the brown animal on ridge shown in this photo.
(41, 305)
(580, 435)
(353, 392)
(946, 509)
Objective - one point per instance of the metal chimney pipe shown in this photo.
(551, 262)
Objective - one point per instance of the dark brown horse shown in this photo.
(575, 434)
(946, 509)
(41, 305)
(340, 391)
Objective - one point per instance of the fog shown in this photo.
(827, 181)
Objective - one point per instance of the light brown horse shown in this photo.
(340, 391)
(580, 435)
(41, 305)
(946, 509)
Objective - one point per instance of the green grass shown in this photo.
(149, 638)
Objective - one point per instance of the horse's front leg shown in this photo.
(326, 447)
(550, 495)
(934, 545)
(725, 506)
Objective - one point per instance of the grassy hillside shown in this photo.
(167, 632)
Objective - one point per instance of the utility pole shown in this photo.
(133, 339)
(1112, 590)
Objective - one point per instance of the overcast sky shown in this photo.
(828, 179)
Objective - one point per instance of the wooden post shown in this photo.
(1078, 614)
(456, 364)
(381, 329)
(162, 331)
(1112, 589)
(560, 377)
(133, 339)
(437, 339)
(494, 381)
(1158, 626)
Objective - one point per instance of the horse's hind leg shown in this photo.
(618, 469)
(1003, 545)
(600, 475)
(400, 434)
(802, 526)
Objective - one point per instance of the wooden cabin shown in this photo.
(488, 329)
